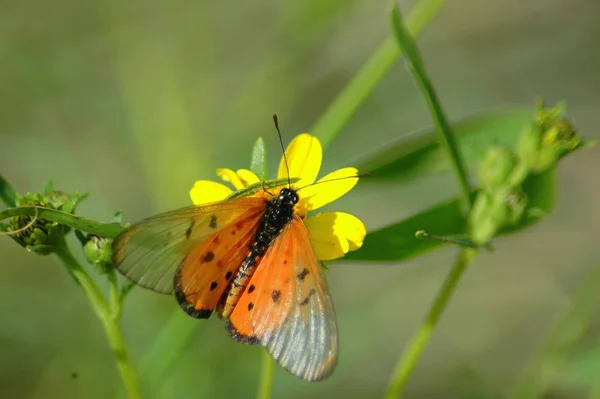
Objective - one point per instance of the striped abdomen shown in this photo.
(277, 215)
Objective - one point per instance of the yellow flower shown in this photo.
(332, 234)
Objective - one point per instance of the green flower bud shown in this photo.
(98, 252)
(507, 207)
(481, 228)
(496, 168)
(39, 235)
(495, 211)
(516, 202)
(529, 146)
(550, 137)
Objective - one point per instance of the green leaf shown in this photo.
(8, 194)
(398, 242)
(258, 160)
(420, 153)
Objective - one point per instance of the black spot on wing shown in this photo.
(250, 306)
(302, 275)
(213, 285)
(251, 289)
(210, 255)
(213, 222)
(228, 275)
(305, 300)
(275, 295)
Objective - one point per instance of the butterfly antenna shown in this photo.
(276, 121)
(356, 176)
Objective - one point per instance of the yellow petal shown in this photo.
(333, 234)
(206, 191)
(247, 177)
(327, 189)
(304, 155)
(231, 177)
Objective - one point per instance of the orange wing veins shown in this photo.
(287, 307)
(206, 271)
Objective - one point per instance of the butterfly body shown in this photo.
(278, 213)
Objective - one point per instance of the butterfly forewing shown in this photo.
(206, 271)
(289, 310)
(150, 252)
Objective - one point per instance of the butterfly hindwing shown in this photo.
(287, 307)
(151, 252)
(271, 278)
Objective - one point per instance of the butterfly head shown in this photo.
(288, 196)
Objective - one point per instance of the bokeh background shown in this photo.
(133, 101)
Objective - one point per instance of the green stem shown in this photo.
(343, 107)
(266, 377)
(116, 304)
(417, 67)
(170, 344)
(108, 230)
(411, 354)
(570, 327)
(104, 312)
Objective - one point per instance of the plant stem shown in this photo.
(417, 67)
(108, 230)
(124, 363)
(115, 304)
(107, 316)
(266, 377)
(561, 341)
(411, 354)
(343, 107)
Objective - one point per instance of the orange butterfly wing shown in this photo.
(287, 308)
(193, 250)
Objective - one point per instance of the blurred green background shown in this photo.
(134, 101)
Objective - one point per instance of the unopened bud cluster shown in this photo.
(98, 250)
(39, 235)
(501, 202)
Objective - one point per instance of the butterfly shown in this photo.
(250, 260)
